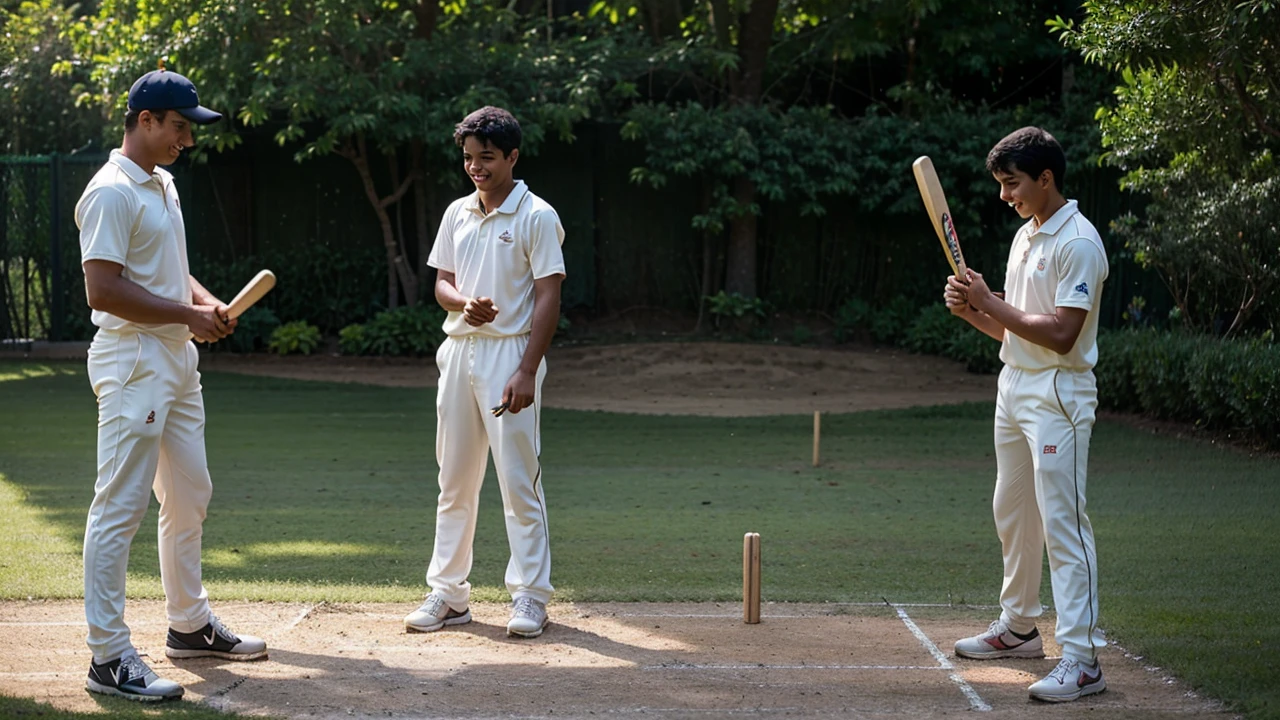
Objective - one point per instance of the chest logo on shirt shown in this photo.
(1083, 288)
(1040, 264)
(506, 236)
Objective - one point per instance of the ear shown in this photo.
(1046, 178)
(515, 155)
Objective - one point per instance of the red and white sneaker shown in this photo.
(1071, 680)
(1001, 642)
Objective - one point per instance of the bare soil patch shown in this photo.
(718, 379)
(662, 660)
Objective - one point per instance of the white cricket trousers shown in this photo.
(473, 372)
(150, 437)
(1043, 423)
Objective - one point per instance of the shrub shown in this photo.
(853, 317)
(298, 336)
(253, 331)
(406, 331)
(889, 324)
(740, 311)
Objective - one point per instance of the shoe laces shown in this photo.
(133, 666)
(434, 606)
(1066, 665)
(997, 628)
(526, 607)
(222, 630)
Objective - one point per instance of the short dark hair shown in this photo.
(492, 126)
(131, 118)
(1032, 151)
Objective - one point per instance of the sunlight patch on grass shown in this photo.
(36, 562)
(30, 372)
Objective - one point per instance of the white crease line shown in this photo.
(975, 700)
(301, 617)
(690, 666)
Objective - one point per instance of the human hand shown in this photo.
(479, 311)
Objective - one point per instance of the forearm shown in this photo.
(449, 297)
(201, 296)
(1047, 331)
(546, 315)
(987, 324)
(126, 299)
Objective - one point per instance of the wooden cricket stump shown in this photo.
(751, 578)
(817, 437)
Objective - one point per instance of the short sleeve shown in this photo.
(105, 223)
(441, 256)
(1082, 269)
(545, 256)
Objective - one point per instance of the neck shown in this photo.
(493, 199)
(134, 152)
(1054, 204)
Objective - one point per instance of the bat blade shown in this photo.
(251, 293)
(935, 203)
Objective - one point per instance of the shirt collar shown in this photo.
(130, 168)
(508, 206)
(1058, 219)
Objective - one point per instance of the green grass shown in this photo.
(327, 492)
(12, 708)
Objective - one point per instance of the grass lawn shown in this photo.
(327, 492)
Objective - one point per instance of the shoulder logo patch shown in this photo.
(505, 236)
(1083, 288)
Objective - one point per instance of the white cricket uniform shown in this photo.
(1044, 420)
(498, 255)
(150, 407)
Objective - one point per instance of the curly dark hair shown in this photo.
(1032, 151)
(492, 126)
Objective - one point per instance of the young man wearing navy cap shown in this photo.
(142, 367)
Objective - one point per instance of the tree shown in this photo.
(1196, 125)
(377, 82)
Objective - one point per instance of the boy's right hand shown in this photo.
(479, 311)
(206, 324)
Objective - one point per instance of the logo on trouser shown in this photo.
(1050, 449)
(151, 417)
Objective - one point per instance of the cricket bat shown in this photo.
(935, 202)
(260, 285)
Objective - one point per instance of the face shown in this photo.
(485, 165)
(1025, 194)
(165, 139)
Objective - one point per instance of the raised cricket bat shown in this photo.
(260, 285)
(935, 202)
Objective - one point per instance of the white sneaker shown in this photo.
(434, 614)
(528, 618)
(1071, 680)
(130, 678)
(1000, 642)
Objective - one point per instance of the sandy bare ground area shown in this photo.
(722, 379)
(615, 660)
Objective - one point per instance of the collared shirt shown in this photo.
(1061, 263)
(133, 218)
(498, 255)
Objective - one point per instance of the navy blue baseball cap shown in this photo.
(166, 90)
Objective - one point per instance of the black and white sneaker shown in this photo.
(214, 640)
(128, 677)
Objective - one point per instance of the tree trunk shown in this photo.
(747, 86)
(396, 268)
(421, 207)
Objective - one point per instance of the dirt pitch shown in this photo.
(613, 660)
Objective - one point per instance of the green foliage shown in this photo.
(741, 314)
(852, 318)
(1193, 125)
(254, 331)
(408, 331)
(1225, 385)
(298, 336)
(935, 331)
(889, 323)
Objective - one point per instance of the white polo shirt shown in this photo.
(133, 218)
(1061, 263)
(498, 256)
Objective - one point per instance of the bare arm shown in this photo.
(109, 291)
(476, 311)
(956, 295)
(1057, 332)
(518, 393)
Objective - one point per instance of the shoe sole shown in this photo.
(180, 654)
(997, 654)
(1093, 689)
(534, 634)
(462, 619)
(137, 697)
